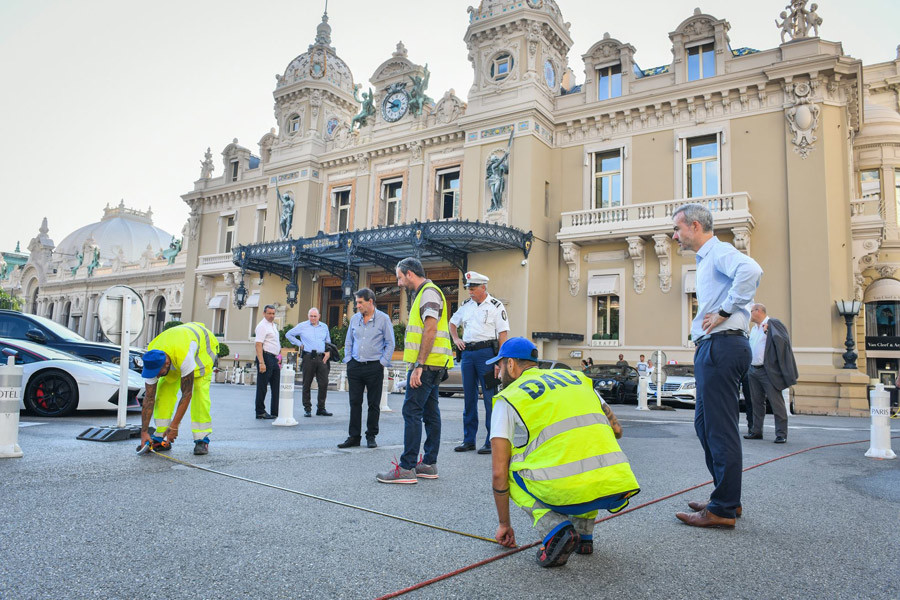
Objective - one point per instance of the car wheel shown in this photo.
(51, 393)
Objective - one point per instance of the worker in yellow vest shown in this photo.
(179, 359)
(428, 350)
(566, 466)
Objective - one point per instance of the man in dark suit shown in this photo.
(772, 369)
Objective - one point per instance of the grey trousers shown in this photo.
(760, 389)
(546, 524)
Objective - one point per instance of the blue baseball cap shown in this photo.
(153, 362)
(517, 347)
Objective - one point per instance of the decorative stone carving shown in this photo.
(194, 222)
(803, 118)
(147, 257)
(495, 174)
(266, 143)
(362, 163)
(415, 149)
(663, 246)
(206, 165)
(449, 108)
(742, 239)
(887, 271)
(118, 263)
(571, 254)
(204, 282)
(796, 21)
(636, 252)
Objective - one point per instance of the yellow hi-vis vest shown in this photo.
(176, 341)
(441, 354)
(571, 456)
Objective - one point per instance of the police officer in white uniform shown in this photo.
(485, 328)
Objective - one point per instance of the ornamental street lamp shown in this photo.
(348, 288)
(292, 290)
(240, 294)
(849, 309)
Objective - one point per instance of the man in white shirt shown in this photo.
(268, 347)
(772, 368)
(485, 327)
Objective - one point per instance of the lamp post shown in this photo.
(348, 288)
(240, 294)
(849, 309)
(291, 289)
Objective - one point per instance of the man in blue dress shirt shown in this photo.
(726, 283)
(310, 337)
(367, 352)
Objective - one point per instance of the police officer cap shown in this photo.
(153, 363)
(517, 347)
(475, 278)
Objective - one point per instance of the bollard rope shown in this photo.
(314, 497)
(486, 561)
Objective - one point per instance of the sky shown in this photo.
(109, 100)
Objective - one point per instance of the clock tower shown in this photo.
(399, 89)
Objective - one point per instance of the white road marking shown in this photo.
(28, 424)
(766, 426)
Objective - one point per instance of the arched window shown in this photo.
(160, 316)
(67, 311)
(34, 302)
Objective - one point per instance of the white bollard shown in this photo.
(10, 389)
(286, 398)
(786, 394)
(880, 409)
(384, 392)
(342, 380)
(642, 393)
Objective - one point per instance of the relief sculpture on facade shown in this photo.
(495, 175)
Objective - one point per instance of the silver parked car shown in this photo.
(679, 387)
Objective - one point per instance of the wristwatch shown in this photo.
(724, 314)
(418, 366)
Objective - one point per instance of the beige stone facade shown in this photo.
(796, 150)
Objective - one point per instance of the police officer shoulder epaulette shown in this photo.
(467, 301)
(495, 302)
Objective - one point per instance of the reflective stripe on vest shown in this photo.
(176, 341)
(571, 456)
(441, 354)
(199, 330)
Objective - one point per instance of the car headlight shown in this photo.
(138, 361)
(689, 385)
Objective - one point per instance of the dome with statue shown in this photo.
(123, 228)
(320, 64)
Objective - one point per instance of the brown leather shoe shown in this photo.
(704, 518)
(698, 505)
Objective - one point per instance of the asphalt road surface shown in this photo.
(93, 520)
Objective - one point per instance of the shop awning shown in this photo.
(342, 254)
(883, 290)
(253, 300)
(690, 282)
(218, 302)
(602, 285)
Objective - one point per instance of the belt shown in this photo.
(269, 353)
(757, 366)
(365, 362)
(479, 345)
(313, 352)
(722, 333)
(429, 368)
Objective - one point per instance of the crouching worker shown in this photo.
(570, 465)
(179, 359)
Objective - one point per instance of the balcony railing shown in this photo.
(216, 263)
(866, 207)
(729, 210)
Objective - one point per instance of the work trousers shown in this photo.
(166, 395)
(546, 520)
(364, 377)
(761, 388)
(314, 367)
(421, 406)
(720, 361)
(473, 371)
(272, 379)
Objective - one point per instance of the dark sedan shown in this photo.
(21, 326)
(615, 384)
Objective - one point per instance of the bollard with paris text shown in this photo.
(384, 392)
(642, 393)
(286, 400)
(10, 389)
(880, 408)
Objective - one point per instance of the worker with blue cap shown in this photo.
(179, 359)
(568, 466)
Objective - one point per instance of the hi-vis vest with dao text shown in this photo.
(441, 354)
(176, 341)
(571, 456)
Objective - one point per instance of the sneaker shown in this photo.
(585, 546)
(426, 471)
(397, 475)
(201, 447)
(158, 444)
(554, 552)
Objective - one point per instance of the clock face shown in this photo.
(549, 75)
(395, 106)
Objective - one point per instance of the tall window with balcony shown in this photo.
(340, 202)
(607, 179)
(228, 233)
(609, 82)
(701, 166)
(446, 204)
(701, 61)
(607, 325)
(391, 201)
